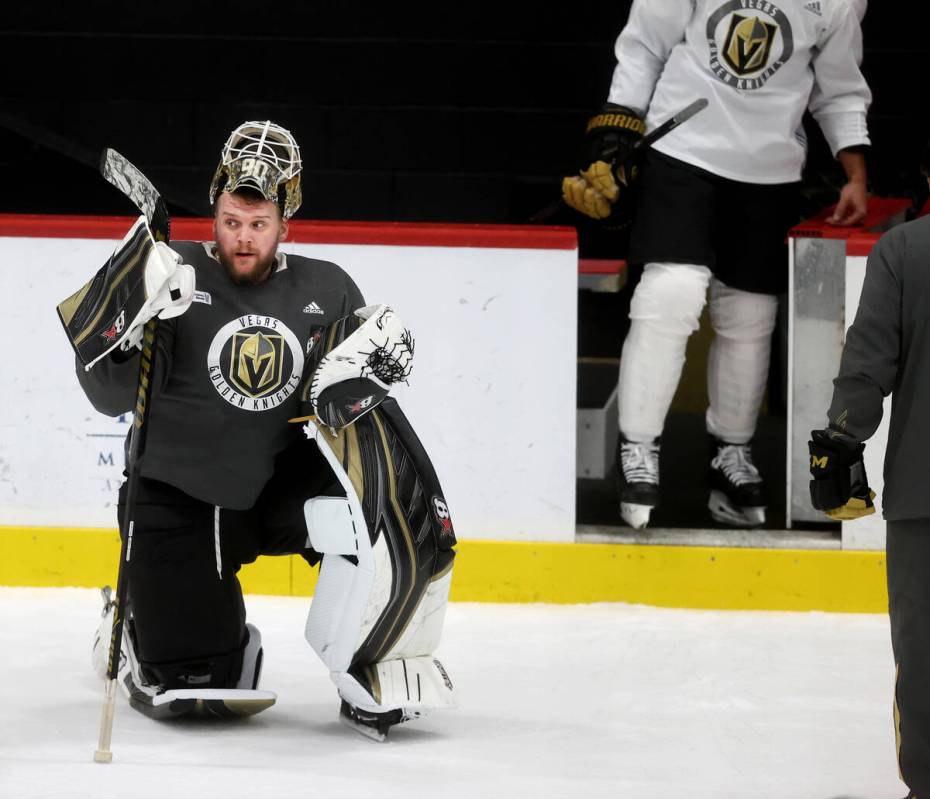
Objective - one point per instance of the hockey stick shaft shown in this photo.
(122, 174)
(548, 211)
(666, 127)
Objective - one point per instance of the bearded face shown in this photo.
(247, 230)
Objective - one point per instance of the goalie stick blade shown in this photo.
(123, 174)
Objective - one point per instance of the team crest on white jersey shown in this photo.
(749, 41)
(255, 362)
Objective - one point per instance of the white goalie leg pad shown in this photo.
(409, 678)
(425, 628)
(414, 685)
(349, 600)
(345, 603)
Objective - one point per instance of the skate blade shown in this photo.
(372, 733)
(723, 511)
(636, 516)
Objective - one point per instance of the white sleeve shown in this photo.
(841, 97)
(654, 27)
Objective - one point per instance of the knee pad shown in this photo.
(741, 314)
(671, 297)
(330, 526)
(387, 550)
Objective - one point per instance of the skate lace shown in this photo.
(640, 462)
(735, 461)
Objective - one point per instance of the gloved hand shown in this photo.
(169, 291)
(356, 375)
(601, 189)
(839, 487)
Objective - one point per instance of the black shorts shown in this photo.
(687, 215)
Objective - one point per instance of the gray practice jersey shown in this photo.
(227, 374)
(887, 351)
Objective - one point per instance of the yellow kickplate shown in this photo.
(516, 571)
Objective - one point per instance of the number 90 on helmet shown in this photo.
(262, 156)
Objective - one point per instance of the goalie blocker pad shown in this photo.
(96, 316)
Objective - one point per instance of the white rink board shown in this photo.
(492, 394)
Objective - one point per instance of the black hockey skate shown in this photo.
(372, 725)
(737, 493)
(638, 473)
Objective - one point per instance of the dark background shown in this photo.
(429, 112)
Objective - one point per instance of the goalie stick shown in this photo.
(550, 210)
(118, 171)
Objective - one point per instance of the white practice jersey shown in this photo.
(760, 64)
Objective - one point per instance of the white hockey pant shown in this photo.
(665, 310)
(738, 361)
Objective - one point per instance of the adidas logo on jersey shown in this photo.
(314, 308)
(814, 7)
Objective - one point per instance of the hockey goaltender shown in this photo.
(250, 339)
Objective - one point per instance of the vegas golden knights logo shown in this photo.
(256, 362)
(748, 44)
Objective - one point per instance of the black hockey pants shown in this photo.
(908, 548)
(188, 616)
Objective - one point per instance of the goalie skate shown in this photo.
(737, 495)
(151, 700)
(638, 473)
(372, 725)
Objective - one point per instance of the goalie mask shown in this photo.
(262, 156)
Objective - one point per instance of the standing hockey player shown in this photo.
(264, 338)
(886, 352)
(713, 202)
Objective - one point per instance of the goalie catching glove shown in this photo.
(839, 487)
(601, 190)
(142, 279)
(353, 377)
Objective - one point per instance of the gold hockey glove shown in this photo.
(601, 189)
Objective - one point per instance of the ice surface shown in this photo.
(555, 701)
